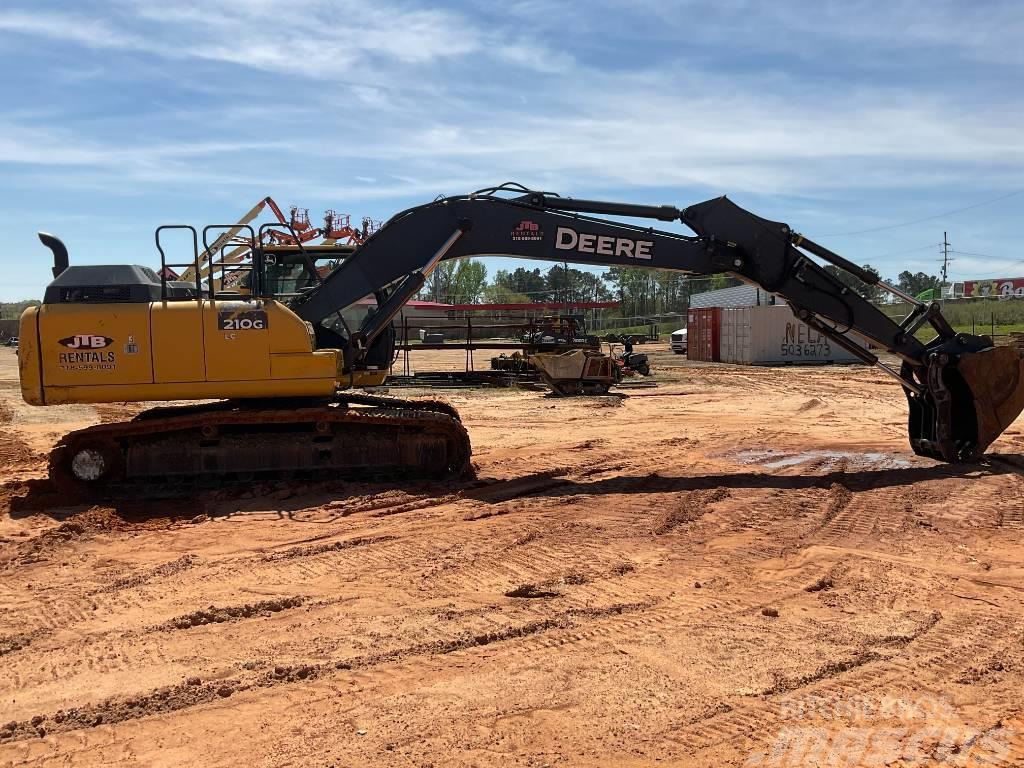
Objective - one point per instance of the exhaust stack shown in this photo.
(60, 252)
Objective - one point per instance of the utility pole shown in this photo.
(945, 262)
(945, 257)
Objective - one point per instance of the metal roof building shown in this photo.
(734, 296)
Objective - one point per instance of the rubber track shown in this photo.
(427, 416)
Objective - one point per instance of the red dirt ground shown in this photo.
(742, 566)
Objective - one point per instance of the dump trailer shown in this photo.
(284, 367)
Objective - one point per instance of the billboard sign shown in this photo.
(999, 288)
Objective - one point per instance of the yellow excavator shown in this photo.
(279, 361)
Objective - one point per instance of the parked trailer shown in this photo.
(703, 327)
(773, 335)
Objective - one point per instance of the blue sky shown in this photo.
(834, 117)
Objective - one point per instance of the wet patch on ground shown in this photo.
(777, 458)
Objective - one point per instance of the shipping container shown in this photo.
(703, 327)
(774, 336)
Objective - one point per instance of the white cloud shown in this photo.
(67, 27)
(22, 145)
(344, 100)
(988, 32)
(340, 40)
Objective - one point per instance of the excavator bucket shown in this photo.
(996, 379)
(969, 401)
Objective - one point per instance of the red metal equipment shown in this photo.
(299, 231)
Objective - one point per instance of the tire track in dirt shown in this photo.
(398, 556)
(48, 674)
(579, 622)
(102, 647)
(136, 580)
(749, 720)
(114, 658)
(851, 516)
(194, 691)
(986, 502)
(47, 613)
(297, 565)
(133, 592)
(868, 677)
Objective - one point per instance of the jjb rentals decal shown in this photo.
(87, 352)
(527, 230)
(86, 341)
(241, 316)
(568, 239)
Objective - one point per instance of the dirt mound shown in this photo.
(183, 563)
(215, 615)
(334, 546)
(12, 643)
(814, 404)
(691, 506)
(14, 452)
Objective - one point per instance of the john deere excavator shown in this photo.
(283, 362)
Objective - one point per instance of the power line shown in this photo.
(909, 250)
(926, 218)
(979, 255)
(1003, 270)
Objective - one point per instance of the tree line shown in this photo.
(11, 310)
(639, 291)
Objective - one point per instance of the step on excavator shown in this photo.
(283, 359)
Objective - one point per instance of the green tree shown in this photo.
(569, 284)
(718, 282)
(13, 310)
(469, 281)
(496, 293)
(648, 292)
(869, 292)
(633, 288)
(915, 283)
(526, 282)
(455, 282)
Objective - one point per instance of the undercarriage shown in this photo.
(350, 436)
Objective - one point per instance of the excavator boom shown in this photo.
(962, 391)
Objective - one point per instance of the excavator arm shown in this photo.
(962, 391)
